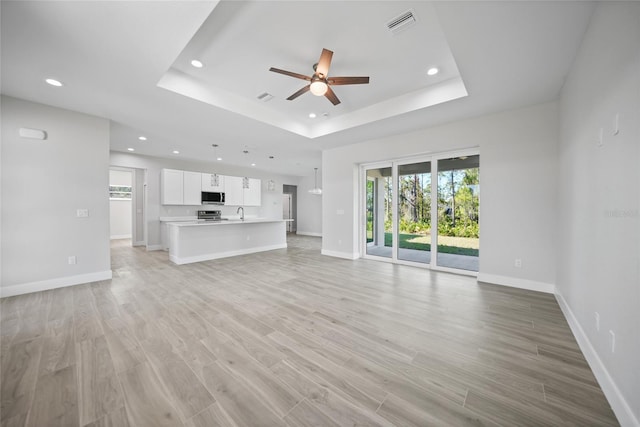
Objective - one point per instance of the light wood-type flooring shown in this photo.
(290, 337)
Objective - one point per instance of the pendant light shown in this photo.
(316, 190)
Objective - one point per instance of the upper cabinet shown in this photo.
(184, 188)
(171, 187)
(192, 188)
(213, 182)
(242, 191)
(233, 191)
(180, 187)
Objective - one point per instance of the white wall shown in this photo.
(599, 204)
(271, 200)
(120, 213)
(518, 162)
(309, 207)
(43, 184)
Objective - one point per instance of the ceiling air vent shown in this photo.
(401, 22)
(264, 97)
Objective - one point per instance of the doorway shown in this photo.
(127, 201)
(423, 211)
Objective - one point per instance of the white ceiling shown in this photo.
(119, 59)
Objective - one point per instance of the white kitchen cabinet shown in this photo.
(192, 188)
(252, 195)
(171, 187)
(233, 191)
(213, 182)
(180, 187)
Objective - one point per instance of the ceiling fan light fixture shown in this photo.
(318, 87)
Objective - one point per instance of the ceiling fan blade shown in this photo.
(290, 73)
(324, 62)
(331, 96)
(348, 80)
(298, 93)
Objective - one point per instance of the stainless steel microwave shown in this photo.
(212, 198)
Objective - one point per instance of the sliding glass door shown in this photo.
(414, 212)
(378, 206)
(458, 212)
(424, 211)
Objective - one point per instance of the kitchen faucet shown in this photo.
(240, 208)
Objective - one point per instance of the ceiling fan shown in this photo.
(319, 83)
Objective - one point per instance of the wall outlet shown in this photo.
(518, 263)
(339, 242)
(248, 237)
(72, 260)
(82, 213)
(613, 341)
(597, 321)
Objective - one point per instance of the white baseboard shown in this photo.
(154, 248)
(515, 282)
(309, 233)
(59, 282)
(121, 236)
(218, 255)
(345, 255)
(617, 401)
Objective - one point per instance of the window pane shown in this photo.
(379, 197)
(414, 212)
(458, 212)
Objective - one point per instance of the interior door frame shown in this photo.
(138, 176)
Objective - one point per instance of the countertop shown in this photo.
(197, 223)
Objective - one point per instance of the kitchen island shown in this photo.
(196, 241)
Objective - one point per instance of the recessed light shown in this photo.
(54, 82)
(142, 138)
(253, 164)
(176, 152)
(432, 71)
(312, 115)
(131, 149)
(219, 158)
(197, 63)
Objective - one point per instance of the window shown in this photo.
(119, 192)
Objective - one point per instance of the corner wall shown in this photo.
(518, 175)
(43, 184)
(599, 203)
